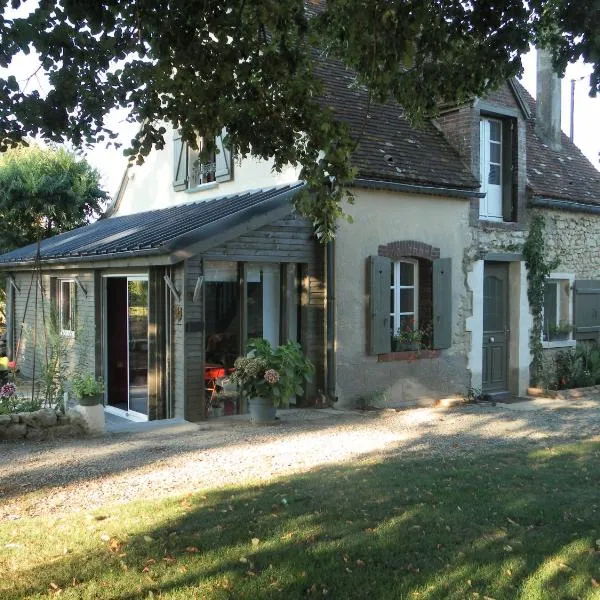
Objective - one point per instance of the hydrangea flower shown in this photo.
(7, 390)
(271, 376)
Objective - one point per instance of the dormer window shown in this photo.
(192, 171)
(496, 169)
(490, 132)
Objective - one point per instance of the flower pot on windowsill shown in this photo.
(559, 337)
(407, 346)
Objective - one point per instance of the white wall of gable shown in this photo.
(150, 186)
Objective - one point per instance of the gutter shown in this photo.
(330, 322)
(541, 202)
(429, 190)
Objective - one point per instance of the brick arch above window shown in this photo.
(401, 249)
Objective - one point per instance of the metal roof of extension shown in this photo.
(177, 232)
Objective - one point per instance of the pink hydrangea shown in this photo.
(271, 376)
(7, 390)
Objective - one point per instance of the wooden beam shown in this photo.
(174, 290)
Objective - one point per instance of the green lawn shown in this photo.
(503, 526)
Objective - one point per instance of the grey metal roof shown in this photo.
(155, 232)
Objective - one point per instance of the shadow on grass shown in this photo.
(130, 452)
(504, 525)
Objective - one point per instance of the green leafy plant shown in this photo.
(11, 402)
(411, 335)
(559, 331)
(86, 385)
(539, 267)
(275, 374)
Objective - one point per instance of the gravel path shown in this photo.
(57, 477)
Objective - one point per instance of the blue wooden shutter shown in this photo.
(442, 303)
(223, 168)
(586, 310)
(380, 279)
(180, 163)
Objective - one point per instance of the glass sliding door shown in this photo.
(264, 291)
(137, 327)
(126, 336)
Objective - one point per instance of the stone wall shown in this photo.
(575, 239)
(44, 424)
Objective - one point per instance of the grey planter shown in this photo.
(261, 410)
(90, 400)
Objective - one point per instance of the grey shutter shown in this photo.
(180, 163)
(586, 310)
(380, 279)
(223, 168)
(508, 184)
(442, 303)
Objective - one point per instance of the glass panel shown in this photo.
(221, 312)
(495, 131)
(407, 300)
(493, 304)
(407, 273)
(494, 176)
(137, 312)
(392, 295)
(407, 323)
(550, 306)
(263, 302)
(67, 306)
(495, 153)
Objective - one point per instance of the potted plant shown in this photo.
(559, 331)
(410, 337)
(270, 377)
(88, 390)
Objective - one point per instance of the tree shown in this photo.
(250, 65)
(44, 192)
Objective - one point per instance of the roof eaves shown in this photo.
(563, 204)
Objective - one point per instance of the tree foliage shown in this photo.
(44, 192)
(249, 65)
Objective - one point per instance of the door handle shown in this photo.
(492, 340)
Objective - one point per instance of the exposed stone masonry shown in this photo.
(44, 424)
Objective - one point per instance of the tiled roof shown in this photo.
(155, 232)
(564, 174)
(389, 148)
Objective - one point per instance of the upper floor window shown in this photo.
(490, 132)
(192, 170)
(67, 306)
(495, 167)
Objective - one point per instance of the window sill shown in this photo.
(204, 186)
(559, 344)
(407, 355)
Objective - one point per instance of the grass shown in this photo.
(504, 526)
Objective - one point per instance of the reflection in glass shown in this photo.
(222, 313)
(137, 313)
(263, 302)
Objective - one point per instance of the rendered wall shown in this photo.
(150, 186)
(381, 217)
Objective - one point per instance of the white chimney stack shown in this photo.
(548, 100)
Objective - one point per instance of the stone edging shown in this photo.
(572, 394)
(44, 424)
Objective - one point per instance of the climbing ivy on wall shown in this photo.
(539, 267)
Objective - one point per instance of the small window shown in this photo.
(495, 165)
(404, 308)
(558, 313)
(193, 168)
(67, 306)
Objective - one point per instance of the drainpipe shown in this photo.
(330, 384)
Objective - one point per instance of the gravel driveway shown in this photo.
(63, 476)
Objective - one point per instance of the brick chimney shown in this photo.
(547, 121)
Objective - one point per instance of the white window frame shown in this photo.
(207, 169)
(484, 166)
(72, 306)
(396, 313)
(562, 279)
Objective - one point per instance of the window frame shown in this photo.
(561, 278)
(396, 314)
(485, 163)
(67, 332)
